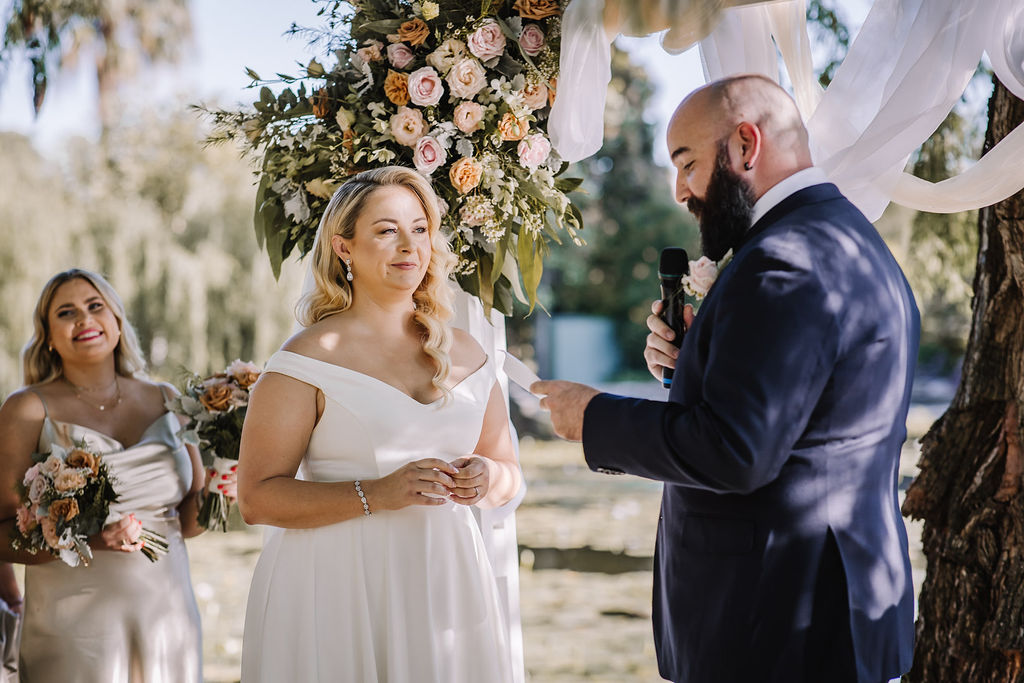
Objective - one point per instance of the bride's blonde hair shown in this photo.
(332, 292)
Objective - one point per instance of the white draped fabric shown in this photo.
(906, 69)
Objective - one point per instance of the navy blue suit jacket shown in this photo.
(779, 443)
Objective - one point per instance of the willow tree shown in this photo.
(970, 623)
(116, 35)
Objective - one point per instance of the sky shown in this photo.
(230, 35)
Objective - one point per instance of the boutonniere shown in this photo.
(703, 273)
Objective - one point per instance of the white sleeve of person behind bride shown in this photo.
(497, 526)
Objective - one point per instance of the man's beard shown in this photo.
(725, 212)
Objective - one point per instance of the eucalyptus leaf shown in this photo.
(314, 69)
(567, 185)
(384, 26)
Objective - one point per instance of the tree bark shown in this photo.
(970, 624)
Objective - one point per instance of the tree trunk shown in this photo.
(970, 624)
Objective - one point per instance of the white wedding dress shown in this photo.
(404, 596)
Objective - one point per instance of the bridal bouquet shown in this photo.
(65, 498)
(215, 407)
(461, 90)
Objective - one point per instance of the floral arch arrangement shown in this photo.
(459, 90)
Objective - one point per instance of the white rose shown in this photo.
(703, 273)
(467, 78)
(447, 54)
(407, 126)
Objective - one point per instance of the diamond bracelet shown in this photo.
(362, 497)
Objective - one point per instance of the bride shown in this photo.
(367, 438)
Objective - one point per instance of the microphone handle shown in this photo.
(672, 314)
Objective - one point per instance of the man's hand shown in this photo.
(566, 402)
(660, 351)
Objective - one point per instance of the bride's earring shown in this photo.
(348, 267)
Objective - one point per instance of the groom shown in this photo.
(781, 554)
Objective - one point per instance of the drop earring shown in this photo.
(348, 267)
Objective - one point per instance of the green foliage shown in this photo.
(630, 216)
(360, 112)
(830, 34)
(168, 222)
(941, 260)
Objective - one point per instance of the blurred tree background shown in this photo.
(629, 215)
(170, 222)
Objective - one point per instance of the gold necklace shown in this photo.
(101, 406)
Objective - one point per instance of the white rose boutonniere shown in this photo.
(703, 273)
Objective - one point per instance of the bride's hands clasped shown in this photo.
(472, 481)
(421, 482)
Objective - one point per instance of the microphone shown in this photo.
(673, 266)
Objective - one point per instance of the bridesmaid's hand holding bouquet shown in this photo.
(65, 498)
(214, 408)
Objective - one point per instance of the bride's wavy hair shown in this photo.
(40, 363)
(332, 292)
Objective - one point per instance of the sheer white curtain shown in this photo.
(904, 72)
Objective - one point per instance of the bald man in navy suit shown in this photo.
(781, 553)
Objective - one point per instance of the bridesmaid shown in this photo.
(123, 619)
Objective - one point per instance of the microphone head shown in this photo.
(674, 263)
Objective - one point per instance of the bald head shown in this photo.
(754, 98)
(756, 118)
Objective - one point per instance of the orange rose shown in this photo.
(321, 104)
(414, 32)
(465, 174)
(79, 459)
(536, 9)
(512, 128)
(63, 508)
(217, 397)
(245, 373)
(396, 87)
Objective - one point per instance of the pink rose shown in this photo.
(425, 88)
(407, 126)
(466, 78)
(370, 52)
(26, 520)
(487, 41)
(532, 40)
(535, 96)
(468, 116)
(400, 55)
(429, 155)
(533, 150)
(36, 489)
(703, 273)
(31, 475)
